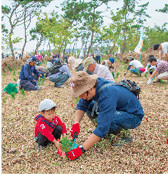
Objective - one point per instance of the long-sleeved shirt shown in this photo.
(46, 127)
(97, 52)
(27, 72)
(111, 99)
(135, 64)
(103, 72)
(62, 69)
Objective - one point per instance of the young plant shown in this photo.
(4, 100)
(66, 144)
(117, 75)
(22, 92)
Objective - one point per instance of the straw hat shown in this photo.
(82, 82)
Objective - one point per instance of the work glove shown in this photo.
(75, 130)
(74, 154)
(149, 82)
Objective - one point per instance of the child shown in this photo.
(48, 127)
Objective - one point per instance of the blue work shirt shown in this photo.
(111, 99)
(62, 69)
(27, 72)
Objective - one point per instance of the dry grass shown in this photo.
(147, 154)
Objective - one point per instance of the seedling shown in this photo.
(22, 92)
(117, 75)
(166, 131)
(41, 81)
(4, 100)
(14, 73)
(146, 75)
(67, 145)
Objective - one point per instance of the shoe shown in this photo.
(40, 148)
(123, 141)
(59, 86)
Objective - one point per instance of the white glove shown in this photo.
(149, 82)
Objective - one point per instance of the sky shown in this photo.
(157, 18)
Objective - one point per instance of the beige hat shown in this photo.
(82, 82)
(88, 61)
(74, 62)
(129, 58)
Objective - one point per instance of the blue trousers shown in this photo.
(124, 120)
(136, 71)
(60, 80)
(98, 59)
(120, 119)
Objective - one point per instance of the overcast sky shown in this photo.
(157, 18)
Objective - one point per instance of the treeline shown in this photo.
(82, 21)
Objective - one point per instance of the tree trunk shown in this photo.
(112, 49)
(10, 43)
(38, 44)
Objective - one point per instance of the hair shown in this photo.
(151, 59)
(156, 46)
(151, 56)
(103, 63)
(52, 109)
(95, 85)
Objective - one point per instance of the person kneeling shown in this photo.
(49, 127)
(118, 109)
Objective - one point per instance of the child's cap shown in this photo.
(46, 105)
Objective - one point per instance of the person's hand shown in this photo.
(125, 74)
(149, 82)
(74, 154)
(57, 144)
(75, 130)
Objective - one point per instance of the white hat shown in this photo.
(46, 104)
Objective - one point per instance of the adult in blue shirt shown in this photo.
(29, 75)
(60, 77)
(118, 108)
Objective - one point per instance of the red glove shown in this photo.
(75, 130)
(74, 154)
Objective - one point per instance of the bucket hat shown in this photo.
(88, 61)
(82, 82)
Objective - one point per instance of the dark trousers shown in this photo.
(98, 59)
(43, 141)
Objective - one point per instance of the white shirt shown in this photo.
(136, 64)
(103, 72)
(164, 46)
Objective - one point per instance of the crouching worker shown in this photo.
(49, 127)
(29, 75)
(118, 109)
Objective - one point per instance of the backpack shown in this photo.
(54, 69)
(131, 86)
(128, 84)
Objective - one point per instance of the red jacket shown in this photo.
(46, 127)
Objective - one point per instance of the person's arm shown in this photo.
(26, 73)
(155, 73)
(57, 144)
(90, 141)
(160, 56)
(78, 116)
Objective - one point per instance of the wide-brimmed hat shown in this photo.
(129, 58)
(82, 82)
(88, 61)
